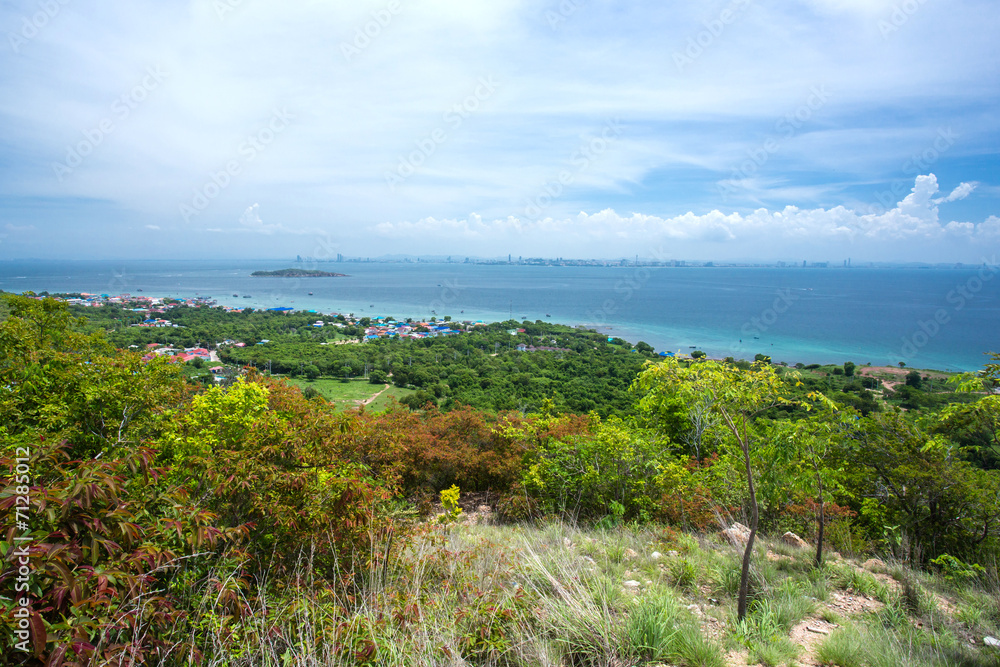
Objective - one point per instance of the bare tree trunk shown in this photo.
(748, 552)
(819, 539)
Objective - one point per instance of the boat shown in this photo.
(547, 315)
(236, 295)
(247, 296)
(310, 293)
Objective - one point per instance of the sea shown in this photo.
(929, 318)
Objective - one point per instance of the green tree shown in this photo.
(941, 503)
(736, 397)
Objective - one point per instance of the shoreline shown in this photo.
(623, 331)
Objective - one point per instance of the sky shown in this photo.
(741, 130)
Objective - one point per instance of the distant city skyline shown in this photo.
(731, 131)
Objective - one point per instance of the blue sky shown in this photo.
(735, 130)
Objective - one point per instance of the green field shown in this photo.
(350, 394)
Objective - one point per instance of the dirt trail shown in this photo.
(368, 400)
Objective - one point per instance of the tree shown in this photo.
(698, 354)
(941, 503)
(736, 397)
(849, 367)
(913, 379)
(814, 448)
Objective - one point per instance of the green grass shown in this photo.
(346, 395)
(554, 594)
(393, 392)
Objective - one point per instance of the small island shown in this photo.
(297, 273)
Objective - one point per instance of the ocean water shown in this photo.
(926, 318)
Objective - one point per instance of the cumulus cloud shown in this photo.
(961, 192)
(916, 218)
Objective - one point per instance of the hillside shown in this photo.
(151, 519)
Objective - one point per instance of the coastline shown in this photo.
(862, 315)
(625, 332)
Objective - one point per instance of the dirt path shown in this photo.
(367, 401)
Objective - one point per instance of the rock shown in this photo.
(794, 540)
(873, 564)
(672, 554)
(567, 542)
(656, 555)
(630, 553)
(991, 641)
(631, 583)
(737, 534)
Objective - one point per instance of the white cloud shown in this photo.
(153, 227)
(961, 192)
(915, 219)
(250, 220)
(557, 87)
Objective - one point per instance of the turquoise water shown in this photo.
(941, 318)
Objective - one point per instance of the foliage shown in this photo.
(449, 500)
(736, 397)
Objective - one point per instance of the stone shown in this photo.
(672, 554)
(737, 534)
(567, 542)
(794, 540)
(991, 641)
(656, 555)
(631, 583)
(630, 553)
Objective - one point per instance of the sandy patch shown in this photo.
(809, 634)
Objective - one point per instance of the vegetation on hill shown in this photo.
(297, 273)
(170, 523)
